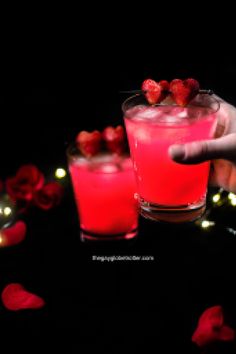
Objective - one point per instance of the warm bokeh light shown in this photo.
(206, 223)
(60, 173)
(216, 198)
(233, 201)
(7, 211)
(231, 196)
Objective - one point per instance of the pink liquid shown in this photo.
(104, 189)
(151, 130)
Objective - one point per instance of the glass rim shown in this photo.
(163, 104)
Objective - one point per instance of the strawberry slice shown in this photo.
(183, 91)
(114, 138)
(89, 143)
(152, 91)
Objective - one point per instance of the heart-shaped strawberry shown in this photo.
(89, 143)
(114, 138)
(154, 91)
(183, 91)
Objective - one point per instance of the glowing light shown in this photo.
(7, 211)
(233, 201)
(216, 198)
(206, 223)
(60, 173)
(1, 238)
(231, 196)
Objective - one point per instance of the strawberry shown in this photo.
(152, 91)
(89, 143)
(114, 138)
(165, 86)
(183, 91)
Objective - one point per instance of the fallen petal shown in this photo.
(13, 234)
(15, 297)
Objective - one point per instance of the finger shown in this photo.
(199, 151)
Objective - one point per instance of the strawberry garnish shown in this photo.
(183, 91)
(165, 86)
(114, 138)
(155, 92)
(152, 91)
(89, 143)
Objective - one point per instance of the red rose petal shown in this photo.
(211, 328)
(49, 196)
(213, 315)
(13, 234)
(15, 297)
(30, 174)
(1, 185)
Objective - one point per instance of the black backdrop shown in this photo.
(48, 100)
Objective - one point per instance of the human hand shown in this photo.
(221, 150)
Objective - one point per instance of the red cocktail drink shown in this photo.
(167, 190)
(104, 189)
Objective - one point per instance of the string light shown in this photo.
(216, 198)
(233, 201)
(231, 196)
(60, 173)
(206, 223)
(7, 211)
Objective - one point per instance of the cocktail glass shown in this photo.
(169, 191)
(104, 190)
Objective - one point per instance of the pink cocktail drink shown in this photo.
(167, 190)
(104, 188)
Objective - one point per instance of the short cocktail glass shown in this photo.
(104, 189)
(169, 191)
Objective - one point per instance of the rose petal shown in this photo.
(18, 191)
(13, 234)
(211, 328)
(30, 174)
(214, 315)
(49, 196)
(15, 297)
(1, 186)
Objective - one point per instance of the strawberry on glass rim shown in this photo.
(91, 143)
(155, 92)
(181, 91)
(114, 139)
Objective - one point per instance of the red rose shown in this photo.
(23, 185)
(48, 196)
(211, 328)
(1, 186)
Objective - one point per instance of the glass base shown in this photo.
(172, 214)
(91, 236)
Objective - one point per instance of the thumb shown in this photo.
(199, 151)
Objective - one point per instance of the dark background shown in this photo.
(50, 94)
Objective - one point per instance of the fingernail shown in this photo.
(177, 152)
